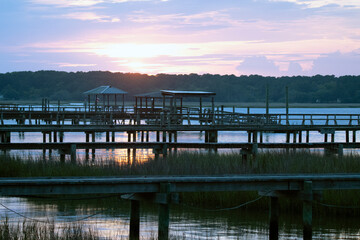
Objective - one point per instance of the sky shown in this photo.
(240, 37)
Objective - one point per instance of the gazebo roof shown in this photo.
(106, 90)
(187, 93)
(156, 94)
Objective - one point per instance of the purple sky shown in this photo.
(268, 37)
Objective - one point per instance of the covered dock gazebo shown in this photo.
(105, 92)
(146, 101)
(182, 94)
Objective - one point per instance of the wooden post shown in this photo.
(8, 137)
(61, 136)
(164, 212)
(354, 136)
(44, 141)
(107, 136)
(134, 149)
(129, 150)
(73, 153)
(62, 156)
(274, 218)
(340, 150)
(170, 139)
(113, 136)
(287, 141)
(164, 136)
(87, 139)
(93, 140)
(255, 135)
(134, 220)
(307, 136)
(175, 140)
(307, 210)
(206, 136)
(158, 136)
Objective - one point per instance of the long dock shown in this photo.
(163, 190)
(165, 124)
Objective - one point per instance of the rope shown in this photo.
(225, 209)
(68, 199)
(47, 222)
(337, 206)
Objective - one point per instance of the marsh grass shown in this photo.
(185, 163)
(197, 163)
(43, 231)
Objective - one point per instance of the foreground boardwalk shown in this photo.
(163, 189)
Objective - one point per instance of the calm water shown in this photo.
(113, 219)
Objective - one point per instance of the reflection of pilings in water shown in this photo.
(5, 137)
(128, 150)
(134, 149)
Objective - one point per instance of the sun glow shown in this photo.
(140, 67)
(131, 50)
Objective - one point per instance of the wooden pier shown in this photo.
(163, 190)
(164, 124)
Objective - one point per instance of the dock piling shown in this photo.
(134, 220)
(164, 212)
(307, 210)
(274, 218)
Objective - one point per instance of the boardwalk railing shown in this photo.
(128, 116)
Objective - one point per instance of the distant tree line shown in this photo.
(57, 85)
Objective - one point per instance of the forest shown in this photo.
(57, 85)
